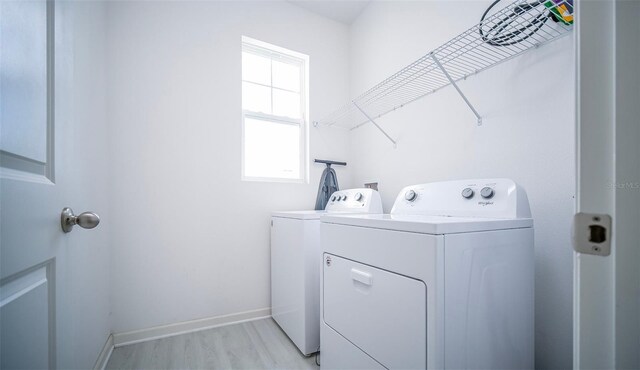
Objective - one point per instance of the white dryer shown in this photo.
(444, 281)
(296, 263)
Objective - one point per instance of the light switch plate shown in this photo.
(592, 234)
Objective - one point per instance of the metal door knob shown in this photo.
(86, 220)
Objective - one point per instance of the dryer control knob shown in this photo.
(359, 197)
(333, 198)
(410, 195)
(467, 193)
(344, 197)
(487, 192)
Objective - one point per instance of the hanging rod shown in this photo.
(329, 163)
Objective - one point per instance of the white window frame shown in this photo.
(279, 53)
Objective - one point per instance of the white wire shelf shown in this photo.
(465, 55)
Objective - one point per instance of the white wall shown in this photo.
(527, 106)
(189, 235)
(190, 240)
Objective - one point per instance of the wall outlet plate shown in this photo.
(592, 234)
(371, 185)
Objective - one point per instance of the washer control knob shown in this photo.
(339, 198)
(487, 192)
(359, 197)
(344, 197)
(410, 195)
(467, 193)
(333, 198)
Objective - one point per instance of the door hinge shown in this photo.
(592, 234)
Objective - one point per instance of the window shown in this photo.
(274, 111)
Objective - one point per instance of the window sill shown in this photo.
(274, 179)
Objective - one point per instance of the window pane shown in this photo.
(256, 68)
(271, 149)
(286, 76)
(256, 98)
(286, 104)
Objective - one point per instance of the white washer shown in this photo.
(296, 262)
(444, 281)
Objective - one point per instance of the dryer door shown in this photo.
(382, 313)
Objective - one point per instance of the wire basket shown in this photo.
(507, 33)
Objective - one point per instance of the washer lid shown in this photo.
(300, 215)
(428, 224)
(308, 215)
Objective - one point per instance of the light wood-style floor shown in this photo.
(259, 344)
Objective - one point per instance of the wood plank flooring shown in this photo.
(259, 344)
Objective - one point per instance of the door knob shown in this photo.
(86, 220)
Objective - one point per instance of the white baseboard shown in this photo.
(103, 358)
(163, 331)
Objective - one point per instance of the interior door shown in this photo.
(31, 239)
(607, 287)
(52, 284)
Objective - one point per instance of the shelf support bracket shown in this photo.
(433, 56)
(395, 145)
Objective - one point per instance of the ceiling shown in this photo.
(344, 11)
